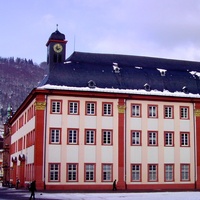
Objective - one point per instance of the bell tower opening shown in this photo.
(56, 48)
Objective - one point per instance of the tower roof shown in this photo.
(57, 35)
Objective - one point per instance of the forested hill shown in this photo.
(17, 78)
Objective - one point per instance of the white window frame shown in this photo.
(73, 108)
(107, 172)
(54, 172)
(55, 136)
(136, 172)
(72, 172)
(89, 172)
(56, 107)
(72, 136)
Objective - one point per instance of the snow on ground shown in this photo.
(120, 196)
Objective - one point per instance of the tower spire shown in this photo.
(56, 27)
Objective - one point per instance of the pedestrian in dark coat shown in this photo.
(32, 189)
(114, 185)
(17, 184)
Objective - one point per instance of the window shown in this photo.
(152, 172)
(169, 138)
(169, 172)
(107, 137)
(168, 112)
(56, 107)
(55, 136)
(135, 172)
(90, 108)
(72, 172)
(152, 111)
(107, 109)
(185, 172)
(107, 172)
(54, 170)
(90, 136)
(89, 172)
(185, 139)
(135, 137)
(73, 108)
(152, 138)
(184, 112)
(135, 110)
(72, 136)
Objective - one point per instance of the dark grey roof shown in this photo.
(125, 72)
(57, 36)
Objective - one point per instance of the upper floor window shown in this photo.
(184, 112)
(73, 108)
(107, 137)
(72, 136)
(152, 138)
(168, 112)
(135, 110)
(90, 108)
(152, 111)
(135, 137)
(107, 109)
(185, 139)
(56, 106)
(90, 136)
(55, 136)
(169, 138)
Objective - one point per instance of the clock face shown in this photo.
(57, 48)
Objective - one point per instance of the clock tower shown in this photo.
(56, 48)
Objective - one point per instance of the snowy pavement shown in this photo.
(123, 196)
(112, 196)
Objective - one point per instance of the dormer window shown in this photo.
(185, 90)
(162, 71)
(147, 87)
(91, 84)
(116, 68)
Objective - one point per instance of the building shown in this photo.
(100, 117)
(1, 158)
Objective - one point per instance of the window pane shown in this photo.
(107, 172)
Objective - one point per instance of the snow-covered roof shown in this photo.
(125, 74)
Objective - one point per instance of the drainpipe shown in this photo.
(45, 137)
(125, 144)
(195, 147)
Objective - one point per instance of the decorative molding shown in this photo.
(197, 112)
(40, 105)
(121, 108)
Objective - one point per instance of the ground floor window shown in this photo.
(107, 172)
(135, 172)
(89, 172)
(185, 172)
(72, 172)
(54, 170)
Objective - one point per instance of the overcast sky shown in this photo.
(156, 28)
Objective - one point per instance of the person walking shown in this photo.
(17, 184)
(114, 185)
(32, 189)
